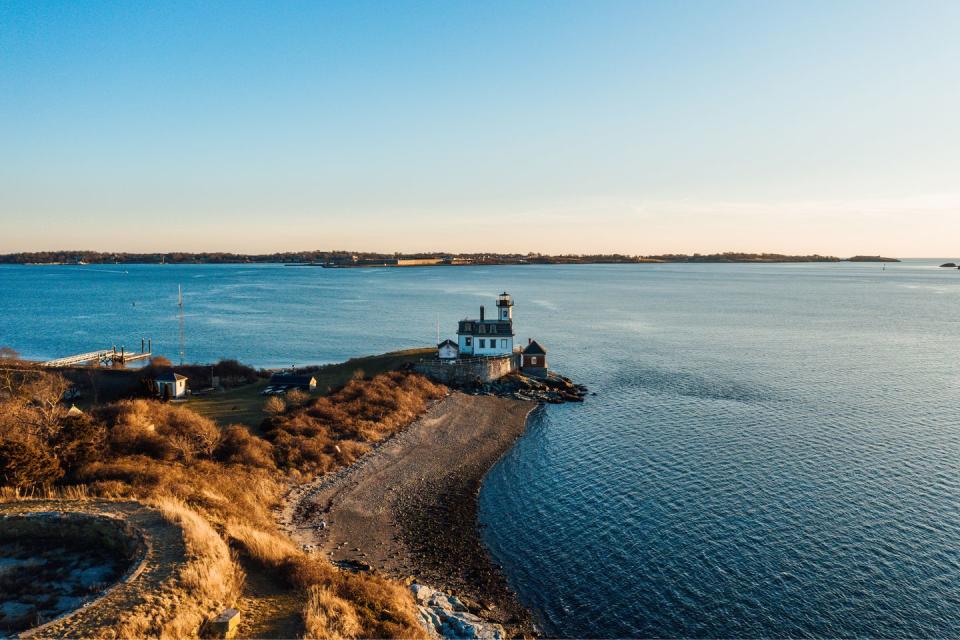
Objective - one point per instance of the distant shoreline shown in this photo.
(345, 259)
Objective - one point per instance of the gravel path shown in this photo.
(408, 508)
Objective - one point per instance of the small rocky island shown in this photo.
(950, 265)
(484, 361)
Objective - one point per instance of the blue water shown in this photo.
(773, 450)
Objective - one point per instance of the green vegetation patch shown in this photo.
(245, 404)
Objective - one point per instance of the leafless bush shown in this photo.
(296, 397)
(333, 431)
(238, 446)
(274, 406)
(159, 430)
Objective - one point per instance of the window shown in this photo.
(483, 343)
(483, 328)
(468, 341)
(533, 359)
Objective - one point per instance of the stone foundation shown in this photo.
(468, 371)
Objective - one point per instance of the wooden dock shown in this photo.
(103, 357)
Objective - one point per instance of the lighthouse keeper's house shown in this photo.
(488, 336)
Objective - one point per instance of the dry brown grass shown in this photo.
(70, 492)
(333, 431)
(269, 549)
(329, 616)
(204, 585)
(221, 493)
(160, 430)
(221, 484)
(339, 605)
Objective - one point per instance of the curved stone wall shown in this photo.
(52, 563)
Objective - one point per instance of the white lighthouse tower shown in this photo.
(505, 307)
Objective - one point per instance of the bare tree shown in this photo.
(32, 404)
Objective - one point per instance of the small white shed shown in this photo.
(448, 350)
(171, 385)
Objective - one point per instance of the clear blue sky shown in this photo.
(636, 127)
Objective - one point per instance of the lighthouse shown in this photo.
(488, 336)
(505, 307)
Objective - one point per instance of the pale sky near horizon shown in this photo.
(638, 127)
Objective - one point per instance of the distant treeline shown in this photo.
(355, 257)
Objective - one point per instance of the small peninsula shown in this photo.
(318, 496)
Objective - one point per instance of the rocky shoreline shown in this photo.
(550, 388)
(408, 510)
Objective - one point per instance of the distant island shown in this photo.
(340, 259)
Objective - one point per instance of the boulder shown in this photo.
(225, 625)
(456, 604)
(421, 593)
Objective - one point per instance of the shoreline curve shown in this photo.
(408, 509)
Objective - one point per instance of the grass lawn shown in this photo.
(244, 405)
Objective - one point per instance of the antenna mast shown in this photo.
(180, 305)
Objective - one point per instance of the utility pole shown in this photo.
(180, 305)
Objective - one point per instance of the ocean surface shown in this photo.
(772, 450)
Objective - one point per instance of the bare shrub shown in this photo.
(160, 362)
(159, 430)
(23, 466)
(238, 446)
(32, 416)
(333, 431)
(31, 404)
(296, 397)
(274, 406)
(234, 370)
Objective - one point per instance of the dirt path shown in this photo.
(409, 507)
(270, 607)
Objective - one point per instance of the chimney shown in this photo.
(481, 313)
(529, 340)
